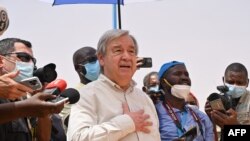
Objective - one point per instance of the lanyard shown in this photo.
(173, 116)
(197, 120)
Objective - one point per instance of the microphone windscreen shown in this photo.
(4, 20)
(213, 96)
(72, 94)
(58, 83)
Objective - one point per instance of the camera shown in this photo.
(46, 73)
(222, 101)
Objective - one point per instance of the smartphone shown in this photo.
(32, 82)
(190, 134)
(59, 99)
(146, 62)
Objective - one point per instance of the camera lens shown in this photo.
(46, 73)
(33, 82)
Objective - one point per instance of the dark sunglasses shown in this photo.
(89, 60)
(24, 57)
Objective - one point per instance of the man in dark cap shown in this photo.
(175, 117)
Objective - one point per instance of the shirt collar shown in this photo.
(79, 86)
(244, 97)
(186, 108)
(107, 80)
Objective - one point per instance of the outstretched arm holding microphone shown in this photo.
(35, 106)
(17, 63)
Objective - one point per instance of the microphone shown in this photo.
(70, 94)
(55, 87)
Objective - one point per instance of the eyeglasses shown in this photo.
(89, 60)
(24, 57)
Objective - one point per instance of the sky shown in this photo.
(207, 35)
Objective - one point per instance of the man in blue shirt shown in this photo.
(175, 117)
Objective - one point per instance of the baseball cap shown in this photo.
(165, 67)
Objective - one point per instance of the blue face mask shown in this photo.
(154, 88)
(92, 70)
(26, 70)
(236, 91)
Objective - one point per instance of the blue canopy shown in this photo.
(59, 2)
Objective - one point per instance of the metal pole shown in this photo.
(119, 13)
(114, 17)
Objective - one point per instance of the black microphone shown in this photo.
(71, 95)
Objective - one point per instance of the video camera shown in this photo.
(46, 73)
(222, 101)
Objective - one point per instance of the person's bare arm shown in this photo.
(221, 119)
(35, 106)
(44, 126)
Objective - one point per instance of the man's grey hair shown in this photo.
(109, 36)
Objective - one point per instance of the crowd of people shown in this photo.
(111, 107)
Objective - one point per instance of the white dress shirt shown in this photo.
(98, 115)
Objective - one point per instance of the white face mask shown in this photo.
(179, 91)
(236, 91)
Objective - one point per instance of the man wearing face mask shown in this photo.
(16, 55)
(86, 64)
(11, 90)
(175, 117)
(236, 79)
(88, 69)
(151, 86)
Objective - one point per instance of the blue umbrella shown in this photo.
(115, 2)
